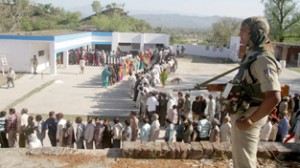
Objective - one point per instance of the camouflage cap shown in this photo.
(259, 30)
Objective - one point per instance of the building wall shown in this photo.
(152, 38)
(144, 39)
(293, 55)
(44, 60)
(202, 50)
(19, 54)
(130, 38)
(212, 51)
(287, 53)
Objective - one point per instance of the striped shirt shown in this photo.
(2, 124)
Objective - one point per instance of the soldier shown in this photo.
(34, 63)
(264, 71)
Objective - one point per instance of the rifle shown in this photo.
(220, 87)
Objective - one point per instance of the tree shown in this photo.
(223, 30)
(283, 17)
(12, 12)
(115, 9)
(96, 6)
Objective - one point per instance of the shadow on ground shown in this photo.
(114, 101)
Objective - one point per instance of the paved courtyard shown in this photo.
(76, 94)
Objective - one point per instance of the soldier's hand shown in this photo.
(242, 123)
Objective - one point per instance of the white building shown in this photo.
(20, 49)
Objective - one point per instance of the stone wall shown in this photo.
(205, 149)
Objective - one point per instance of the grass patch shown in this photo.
(36, 90)
(295, 69)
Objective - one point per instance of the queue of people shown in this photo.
(151, 64)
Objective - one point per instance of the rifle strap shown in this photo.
(270, 57)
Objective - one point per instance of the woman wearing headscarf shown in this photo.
(263, 70)
(120, 71)
(137, 62)
(164, 77)
(141, 60)
(112, 78)
(105, 77)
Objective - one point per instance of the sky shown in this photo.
(230, 8)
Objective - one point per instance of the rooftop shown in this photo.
(43, 33)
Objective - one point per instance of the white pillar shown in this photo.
(53, 68)
(167, 40)
(66, 59)
(115, 41)
(142, 44)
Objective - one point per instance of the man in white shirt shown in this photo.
(144, 90)
(131, 81)
(10, 76)
(211, 108)
(265, 131)
(89, 133)
(155, 73)
(151, 105)
(61, 125)
(117, 133)
(171, 101)
(82, 65)
(203, 128)
(145, 131)
(22, 124)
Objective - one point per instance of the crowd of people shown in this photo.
(184, 120)
(150, 63)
